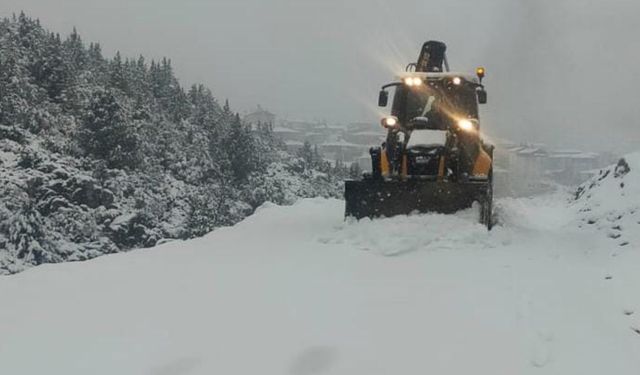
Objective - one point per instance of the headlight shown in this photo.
(466, 125)
(456, 81)
(389, 122)
(413, 81)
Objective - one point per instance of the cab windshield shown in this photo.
(439, 106)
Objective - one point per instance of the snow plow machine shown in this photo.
(433, 159)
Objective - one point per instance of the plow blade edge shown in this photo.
(377, 198)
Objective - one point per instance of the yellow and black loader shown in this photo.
(433, 159)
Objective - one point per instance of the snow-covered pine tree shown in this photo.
(28, 237)
(307, 154)
(106, 132)
(117, 74)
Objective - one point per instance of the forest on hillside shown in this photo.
(100, 155)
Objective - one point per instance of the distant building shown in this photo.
(260, 116)
(288, 134)
(367, 137)
(341, 150)
(572, 167)
(305, 126)
(293, 146)
(526, 168)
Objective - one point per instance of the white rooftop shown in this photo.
(341, 143)
(281, 129)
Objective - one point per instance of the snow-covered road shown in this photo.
(295, 290)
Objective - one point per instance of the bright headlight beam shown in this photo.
(389, 121)
(457, 80)
(466, 125)
(412, 81)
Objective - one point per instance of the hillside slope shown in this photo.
(101, 155)
(611, 201)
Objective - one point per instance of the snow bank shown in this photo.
(610, 202)
(405, 234)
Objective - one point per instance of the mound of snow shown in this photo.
(610, 202)
(405, 234)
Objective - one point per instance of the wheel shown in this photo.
(376, 171)
(486, 212)
(486, 205)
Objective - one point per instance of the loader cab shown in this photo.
(437, 103)
(432, 116)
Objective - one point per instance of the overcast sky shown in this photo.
(563, 72)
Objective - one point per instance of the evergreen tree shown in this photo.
(241, 149)
(28, 237)
(97, 65)
(307, 154)
(75, 54)
(55, 73)
(106, 133)
(117, 74)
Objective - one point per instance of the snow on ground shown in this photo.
(610, 202)
(296, 290)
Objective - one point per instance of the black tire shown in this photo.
(486, 204)
(376, 154)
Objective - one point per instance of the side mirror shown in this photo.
(482, 97)
(383, 98)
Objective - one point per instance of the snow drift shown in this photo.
(610, 202)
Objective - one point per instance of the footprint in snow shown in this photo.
(542, 353)
(314, 360)
(541, 357)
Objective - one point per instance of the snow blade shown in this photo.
(377, 198)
